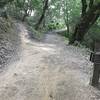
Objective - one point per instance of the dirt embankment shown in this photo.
(9, 41)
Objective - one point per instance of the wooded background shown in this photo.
(79, 17)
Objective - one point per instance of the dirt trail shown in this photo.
(48, 70)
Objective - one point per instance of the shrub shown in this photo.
(34, 33)
(55, 25)
(93, 34)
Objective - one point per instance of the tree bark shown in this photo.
(67, 20)
(25, 15)
(84, 7)
(91, 3)
(85, 23)
(96, 74)
(43, 14)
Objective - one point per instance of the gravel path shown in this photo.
(48, 70)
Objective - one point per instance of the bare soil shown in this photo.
(48, 70)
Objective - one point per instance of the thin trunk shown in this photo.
(43, 14)
(25, 15)
(67, 15)
(44, 22)
(67, 24)
(26, 11)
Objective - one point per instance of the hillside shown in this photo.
(9, 41)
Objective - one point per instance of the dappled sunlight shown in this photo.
(48, 49)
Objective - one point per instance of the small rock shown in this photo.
(15, 74)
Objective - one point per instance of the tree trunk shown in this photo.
(91, 3)
(43, 14)
(67, 23)
(84, 7)
(66, 15)
(96, 74)
(25, 15)
(85, 23)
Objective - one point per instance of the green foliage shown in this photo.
(55, 25)
(4, 2)
(60, 14)
(92, 35)
(52, 26)
(34, 33)
(21, 9)
(30, 21)
(4, 25)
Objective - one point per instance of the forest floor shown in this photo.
(48, 70)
